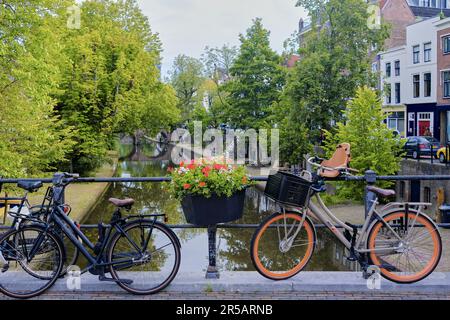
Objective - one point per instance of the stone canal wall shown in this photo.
(435, 192)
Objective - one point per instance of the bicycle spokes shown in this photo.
(283, 246)
(145, 254)
(33, 261)
(405, 251)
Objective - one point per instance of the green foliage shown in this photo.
(335, 60)
(218, 62)
(187, 77)
(373, 146)
(32, 138)
(294, 139)
(206, 178)
(111, 81)
(65, 93)
(257, 80)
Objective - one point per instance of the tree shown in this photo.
(186, 77)
(33, 139)
(373, 145)
(335, 61)
(257, 80)
(218, 62)
(111, 80)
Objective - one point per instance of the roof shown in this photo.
(427, 12)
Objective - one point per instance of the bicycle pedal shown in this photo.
(352, 259)
(5, 268)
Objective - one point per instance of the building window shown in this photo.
(446, 83)
(427, 84)
(416, 86)
(416, 54)
(396, 122)
(397, 93)
(397, 68)
(388, 70)
(375, 67)
(388, 93)
(427, 52)
(446, 44)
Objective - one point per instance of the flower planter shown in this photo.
(201, 211)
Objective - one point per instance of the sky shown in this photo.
(188, 26)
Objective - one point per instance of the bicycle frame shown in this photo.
(324, 214)
(69, 228)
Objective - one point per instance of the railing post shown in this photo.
(370, 178)
(418, 152)
(212, 272)
(432, 155)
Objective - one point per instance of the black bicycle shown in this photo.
(141, 254)
(40, 212)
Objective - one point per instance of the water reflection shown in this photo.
(233, 244)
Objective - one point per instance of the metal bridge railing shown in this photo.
(370, 178)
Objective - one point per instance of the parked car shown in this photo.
(417, 147)
(443, 155)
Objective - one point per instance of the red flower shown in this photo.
(182, 164)
(206, 171)
(218, 166)
(202, 184)
(192, 166)
(244, 180)
(186, 186)
(170, 169)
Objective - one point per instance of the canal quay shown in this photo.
(329, 275)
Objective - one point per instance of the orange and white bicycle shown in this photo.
(398, 238)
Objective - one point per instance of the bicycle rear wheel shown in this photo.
(410, 251)
(279, 249)
(40, 252)
(146, 258)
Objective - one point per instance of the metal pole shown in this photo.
(431, 150)
(212, 272)
(371, 178)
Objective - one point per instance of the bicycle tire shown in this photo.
(257, 240)
(154, 226)
(5, 249)
(375, 259)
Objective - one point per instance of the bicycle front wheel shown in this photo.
(31, 260)
(71, 253)
(408, 250)
(281, 248)
(145, 258)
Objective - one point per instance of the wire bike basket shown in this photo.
(289, 189)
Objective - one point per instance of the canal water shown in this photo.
(233, 244)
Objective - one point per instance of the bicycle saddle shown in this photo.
(30, 186)
(381, 192)
(122, 203)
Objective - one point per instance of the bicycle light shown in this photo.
(67, 209)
